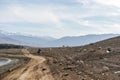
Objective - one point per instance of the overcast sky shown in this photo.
(59, 18)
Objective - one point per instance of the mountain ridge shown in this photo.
(34, 41)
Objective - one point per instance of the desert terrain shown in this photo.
(95, 61)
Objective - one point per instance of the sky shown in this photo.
(58, 18)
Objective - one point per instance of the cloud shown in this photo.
(100, 28)
(15, 13)
(61, 17)
(30, 14)
(115, 3)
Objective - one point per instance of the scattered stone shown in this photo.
(44, 69)
(103, 74)
(60, 64)
(106, 68)
(92, 50)
(68, 67)
(107, 51)
(65, 74)
(107, 74)
(81, 61)
(78, 73)
(9, 70)
(54, 62)
(105, 58)
(117, 72)
(99, 48)
(84, 50)
(91, 72)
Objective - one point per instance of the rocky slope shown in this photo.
(96, 61)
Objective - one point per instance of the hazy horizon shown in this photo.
(59, 18)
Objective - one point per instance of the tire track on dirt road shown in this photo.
(35, 69)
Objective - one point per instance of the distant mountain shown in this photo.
(79, 40)
(31, 40)
(5, 39)
(14, 38)
(52, 42)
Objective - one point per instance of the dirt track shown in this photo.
(36, 69)
(89, 62)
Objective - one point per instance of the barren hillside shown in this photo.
(96, 61)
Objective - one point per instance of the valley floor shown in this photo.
(96, 61)
(35, 69)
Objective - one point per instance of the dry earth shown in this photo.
(96, 61)
(36, 69)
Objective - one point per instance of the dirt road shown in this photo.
(36, 69)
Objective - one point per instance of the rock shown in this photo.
(84, 50)
(99, 48)
(107, 51)
(55, 62)
(44, 69)
(60, 64)
(65, 74)
(106, 68)
(103, 74)
(78, 73)
(117, 72)
(84, 79)
(91, 72)
(69, 67)
(92, 50)
(81, 61)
